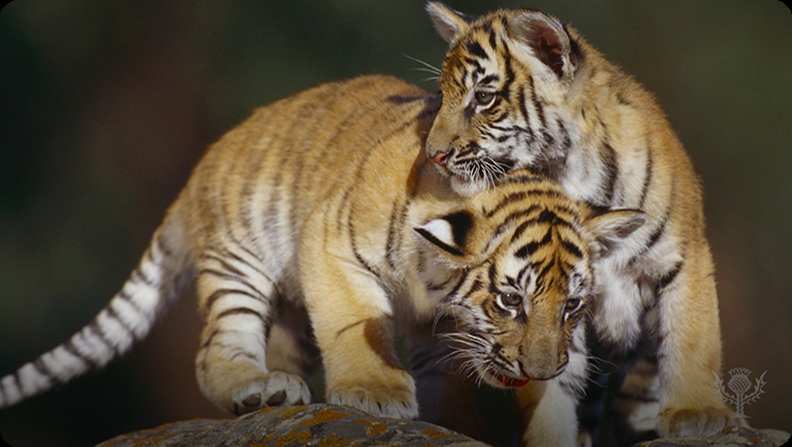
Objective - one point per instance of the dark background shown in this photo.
(106, 105)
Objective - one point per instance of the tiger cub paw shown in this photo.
(277, 389)
(698, 422)
(390, 399)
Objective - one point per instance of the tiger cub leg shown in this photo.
(549, 407)
(690, 350)
(237, 304)
(351, 318)
(291, 346)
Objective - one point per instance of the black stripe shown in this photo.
(159, 241)
(529, 267)
(507, 83)
(524, 111)
(232, 270)
(124, 295)
(139, 276)
(524, 179)
(492, 279)
(571, 248)
(393, 244)
(517, 197)
(69, 347)
(519, 231)
(149, 256)
(15, 376)
(648, 174)
(547, 216)
(441, 286)
(42, 369)
(453, 292)
(111, 313)
(243, 280)
(99, 333)
(353, 242)
(493, 41)
(520, 214)
(566, 141)
(527, 250)
(219, 293)
(241, 311)
(209, 339)
(543, 273)
(440, 244)
(654, 237)
(489, 78)
(611, 167)
(475, 49)
(668, 278)
(537, 106)
(475, 287)
(240, 276)
(254, 256)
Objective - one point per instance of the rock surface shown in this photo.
(730, 436)
(320, 425)
(325, 425)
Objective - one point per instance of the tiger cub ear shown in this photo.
(547, 40)
(448, 233)
(609, 229)
(448, 23)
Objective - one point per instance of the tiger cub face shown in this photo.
(516, 263)
(504, 84)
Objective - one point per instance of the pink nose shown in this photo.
(440, 158)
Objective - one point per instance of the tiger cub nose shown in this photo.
(440, 158)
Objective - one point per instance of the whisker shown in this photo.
(428, 70)
(425, 64)
(430, 78)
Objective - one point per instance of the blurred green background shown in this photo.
(106, 105)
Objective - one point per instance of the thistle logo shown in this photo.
(740, 385)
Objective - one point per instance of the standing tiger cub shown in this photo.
(321, 211)
(521, 89)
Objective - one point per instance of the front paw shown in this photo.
(391, 399)
(277, 389)
(698, 422)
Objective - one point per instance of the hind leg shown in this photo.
(291, 346)
(237, 302)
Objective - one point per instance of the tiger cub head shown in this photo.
(505, 83)
(513, 265)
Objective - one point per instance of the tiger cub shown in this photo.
(323, 207)
(521, 89)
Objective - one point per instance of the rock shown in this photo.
(325, 425)
(730, 436)
(308, 425)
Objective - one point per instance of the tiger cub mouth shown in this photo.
(509, 382)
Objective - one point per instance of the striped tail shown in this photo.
(150, 289)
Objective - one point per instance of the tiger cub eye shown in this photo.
(484, 98)
(510, 299)
(572, 304)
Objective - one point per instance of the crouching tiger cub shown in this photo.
(324, 204)
(520, 89)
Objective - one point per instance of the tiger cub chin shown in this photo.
(521, 89)
(322, 209)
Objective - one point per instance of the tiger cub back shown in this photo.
(522, 89)
(319, 221)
